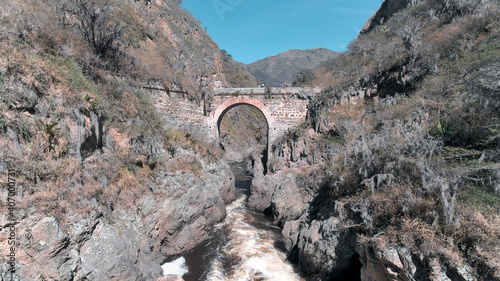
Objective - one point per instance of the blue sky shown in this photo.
(250, 30)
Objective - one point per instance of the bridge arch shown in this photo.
(235, 101)
(240, 100)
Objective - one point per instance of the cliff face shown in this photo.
(396, 175)
(385, 12)
(101, 188)
(131, 225)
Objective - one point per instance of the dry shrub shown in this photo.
(188, 164)
(126, 191)
(27, 67)
(477, 231)
(419, 236)
(91, 188)
(45, 201)
(129, 104)
(50, 185)
(47, 75)
(126, 180)
(208, 151)
(177, 138)
(476, 238)
(145, 172)
(438, 39)
(384, 207)
(151, 60)
(391, 55)
(426, 207)
(381, 242)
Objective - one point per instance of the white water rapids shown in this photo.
(244, 247)
(251, 249)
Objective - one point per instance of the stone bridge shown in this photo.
(284, 109)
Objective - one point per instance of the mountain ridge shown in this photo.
(279, 69)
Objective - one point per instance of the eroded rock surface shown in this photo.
(126, 242)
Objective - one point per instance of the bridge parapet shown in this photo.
(267, 91)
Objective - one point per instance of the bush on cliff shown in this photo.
(415, 102)
(91, 156)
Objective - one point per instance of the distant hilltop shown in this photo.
(279, 69)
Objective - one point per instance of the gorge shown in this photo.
(389, 172)
(242, 247)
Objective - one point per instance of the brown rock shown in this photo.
(170, 277)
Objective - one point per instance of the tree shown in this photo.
(303, 77)
(94, 20)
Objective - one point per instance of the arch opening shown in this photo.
(243, 129)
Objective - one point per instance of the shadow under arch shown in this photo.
(230, 104)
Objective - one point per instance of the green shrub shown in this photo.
(445, 130)
(49, 131)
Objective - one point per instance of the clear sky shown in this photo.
(250, 30)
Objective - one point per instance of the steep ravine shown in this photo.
(395, 175)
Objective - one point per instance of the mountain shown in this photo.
(236, 74)
(279, 69)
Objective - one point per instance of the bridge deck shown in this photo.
(264, 91)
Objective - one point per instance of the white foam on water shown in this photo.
(251, 251)
(267, 267)
(177, 267)
(216, 271)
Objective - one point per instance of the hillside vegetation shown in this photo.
(408, 129)
(93, 162)
(72, 72)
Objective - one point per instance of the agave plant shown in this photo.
(49, 134)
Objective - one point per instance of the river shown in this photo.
(245, 246)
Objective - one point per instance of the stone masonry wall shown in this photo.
(180, 113)
(284, 108)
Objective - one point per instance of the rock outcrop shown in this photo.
(382, 262)
(127, 241)
(385, 12)
(376, 185)
(104, 188)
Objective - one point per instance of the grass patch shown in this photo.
(73, 75)
(481, 197)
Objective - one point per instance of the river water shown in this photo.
(245, 246)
